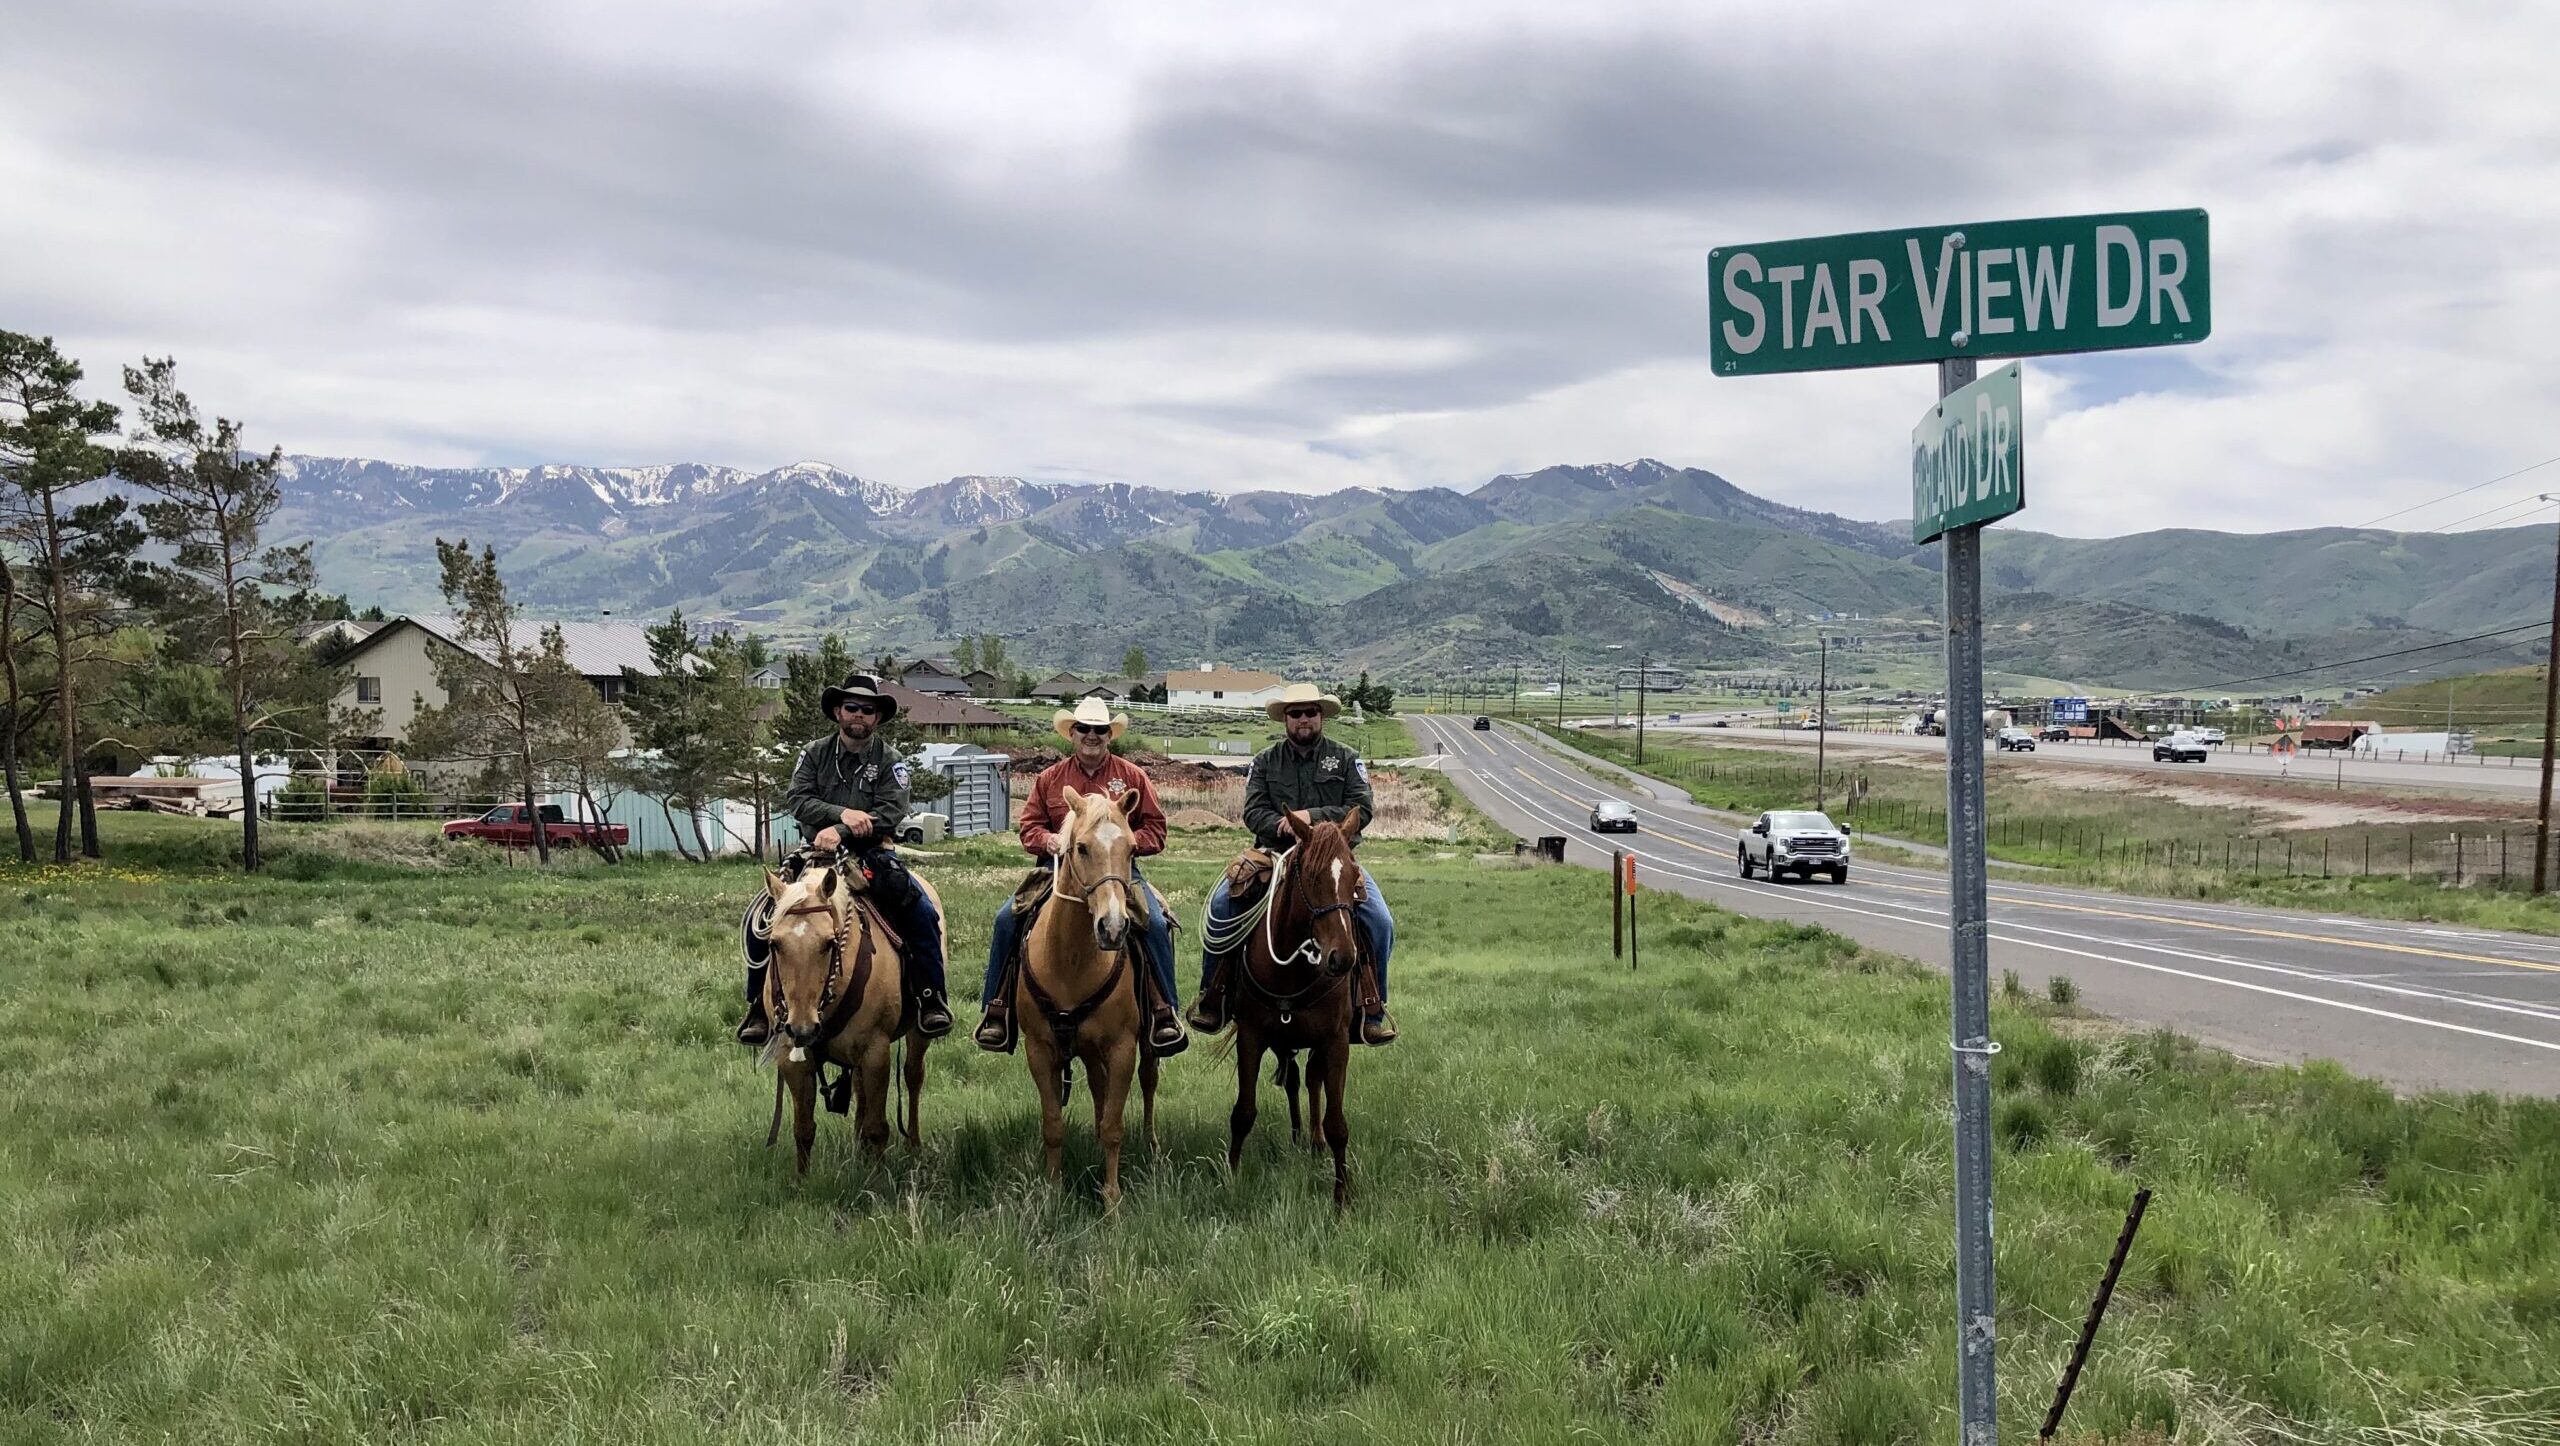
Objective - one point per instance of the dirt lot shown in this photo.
(2296, 805)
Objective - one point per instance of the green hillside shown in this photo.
(2506, 702)
(2292, 582)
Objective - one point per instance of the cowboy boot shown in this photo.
(1165, 1034)
(933, 1017)
(755, 1029)
(1376, 1028)
(1209, 1011)
(995, 1024)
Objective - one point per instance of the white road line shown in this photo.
(1663, 865)
(2029, 895)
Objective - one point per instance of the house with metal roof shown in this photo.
(393, 668)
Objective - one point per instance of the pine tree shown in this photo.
(76, 561)
(806, 677)
(222, 598)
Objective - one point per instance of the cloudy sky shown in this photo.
(1285, 245)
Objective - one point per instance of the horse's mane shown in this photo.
(1324, 844)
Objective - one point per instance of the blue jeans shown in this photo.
(1159, 946)
(1377, 930)
(911, 912)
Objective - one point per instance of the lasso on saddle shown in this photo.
(756, 938)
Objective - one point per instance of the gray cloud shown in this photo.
(1343, 248)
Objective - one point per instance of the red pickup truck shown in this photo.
(510, 826)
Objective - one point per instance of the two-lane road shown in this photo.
(2413, 1005)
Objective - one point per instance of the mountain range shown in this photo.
(1427, 582)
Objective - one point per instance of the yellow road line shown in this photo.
(2174, 920)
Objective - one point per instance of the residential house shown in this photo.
(984, 684)
(939, 676)
(1215, 687)
(393, 668)
(1064, 688)
(940, 715)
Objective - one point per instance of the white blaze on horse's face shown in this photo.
(1098, 851)
(802, 953)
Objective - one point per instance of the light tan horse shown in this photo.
(1077, 990)
(834, 991)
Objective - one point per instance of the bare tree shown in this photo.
(504, 697)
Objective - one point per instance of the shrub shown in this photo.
(394, 792)
(2061, 990)
(302, 799)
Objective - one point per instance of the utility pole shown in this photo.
(1821, 721)
(2550, 720)
(1644, 665)
(1559, 688)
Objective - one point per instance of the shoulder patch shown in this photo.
(1360, 768)
(901, 773)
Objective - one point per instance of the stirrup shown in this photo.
(1378, 1029)
(995, 1030)
(927, 1005)
(1161, 1046)
(754, 1030)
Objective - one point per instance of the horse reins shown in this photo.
(1063, 1023)
(1291, 880)
(829, 1024)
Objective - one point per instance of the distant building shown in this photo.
(936, 675)
(942, 715)
(393, 668)
(983, 684)
(1063, 687)
(1221, 687)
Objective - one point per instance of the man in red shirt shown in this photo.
(1091, 768)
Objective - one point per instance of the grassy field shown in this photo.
(391, 1147)
(2142, 842)
(2504, 708)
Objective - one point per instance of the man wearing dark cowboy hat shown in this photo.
(1091, 768)
(1305, 772)
(849, 794)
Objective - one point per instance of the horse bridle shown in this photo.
(1308, 950)
(835, 955)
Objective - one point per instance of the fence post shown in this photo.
(2457, 858)
(1617, 904)
(2368, 855)
(2409, 856)
(2324, 856)
(2502, 858)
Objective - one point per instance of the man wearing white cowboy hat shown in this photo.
(849, 794)
(1305, 772)
(1091, 768)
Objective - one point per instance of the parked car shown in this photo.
(1612, 815)
(509, 826)
(921, 828)
(1795, 841)
(2055, 733)
(2015, 740)
(2179, 748)
(1483, 724)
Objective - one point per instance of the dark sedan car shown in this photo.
(1483, 724)
(1613, 816)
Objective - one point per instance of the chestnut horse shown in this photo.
(834, 991)
(1077, 990)
(1295, 988)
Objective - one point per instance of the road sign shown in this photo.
(1967, 459)
(1993, 289)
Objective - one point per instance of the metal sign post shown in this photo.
(1969, 960)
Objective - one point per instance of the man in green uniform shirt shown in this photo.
(849, 794)
(1305, 772)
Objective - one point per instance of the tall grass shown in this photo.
(468, 1156)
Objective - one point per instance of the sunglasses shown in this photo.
(1094, 730)
(1302, 712)
(865, 709)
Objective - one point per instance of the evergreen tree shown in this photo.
(221, 597)
(1133, 664)
(75, 565)
(805, 679)
(696, 725)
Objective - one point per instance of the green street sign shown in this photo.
(1967, 458)
(1996, 289)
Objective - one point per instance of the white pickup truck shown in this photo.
(1795, 841)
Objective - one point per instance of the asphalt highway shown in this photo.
(2412, 1005)
(2501, 776)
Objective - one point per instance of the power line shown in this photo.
(2533, 501)
(2373, 657)
(2448, 497)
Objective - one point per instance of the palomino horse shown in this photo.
(1295, 987)
(1077, 990)
(834, 990)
